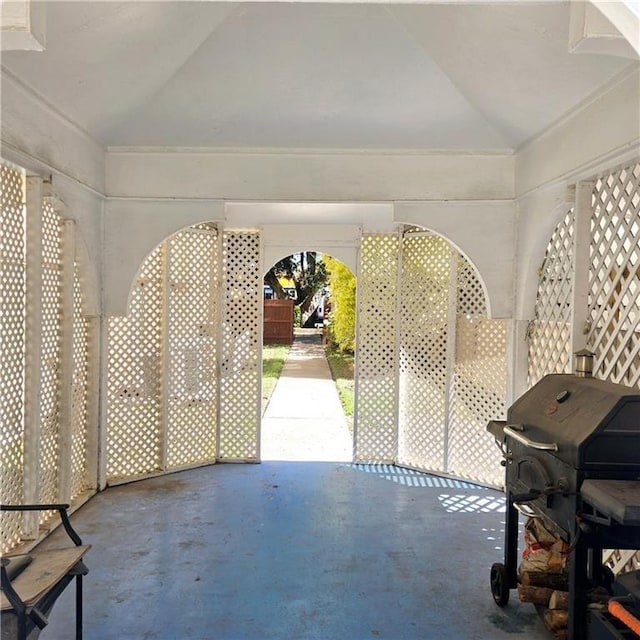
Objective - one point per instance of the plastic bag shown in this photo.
(544, 549)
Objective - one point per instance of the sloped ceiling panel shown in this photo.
(311, 76)
(103, 59)
(300, 75)
(510, 60)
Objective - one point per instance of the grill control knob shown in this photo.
(563, 396)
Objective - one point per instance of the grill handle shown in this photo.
(532, 444)
(526, 510)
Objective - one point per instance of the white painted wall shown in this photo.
(34, 132)
(537, 216)
(605, 128)
(133, 228)
(42, 141)
(339, 241)
(86, 208)
(308, 176)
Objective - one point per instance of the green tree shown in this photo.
(342, 287)
(284, 267)
(306, 270)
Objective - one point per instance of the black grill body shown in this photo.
(563, 432)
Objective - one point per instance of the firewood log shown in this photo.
(536, 595)
(559, 581)
(559, 600)
(556, 619)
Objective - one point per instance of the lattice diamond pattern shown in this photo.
(239, 368)
(52, 461)
(477, 396)
(549, 334)
(621, 560)
(614, 292)
(471, 300)
(376, 391)
(51, 352)
(192, 326)
(614, 277)
(423, 354)
(134, 444)
(12, 309)
(79, 392)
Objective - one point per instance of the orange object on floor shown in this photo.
(620, 612)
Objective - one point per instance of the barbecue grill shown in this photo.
(571, 448)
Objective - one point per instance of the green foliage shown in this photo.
(297, 316)
(342, 320)
(273, 357)
(341, 365)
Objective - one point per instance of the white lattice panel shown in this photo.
(37, 381)
(621, 560)
(79, 392)
(376, 382)
(241, 346)
(423, 350)
(12, 309)
(614, 285)
(50, 356)
(134, 444)
(477, 396)
(471, 299)
(549, 334)
(192, 331)
(614, 292)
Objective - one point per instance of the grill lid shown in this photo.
(593, 422)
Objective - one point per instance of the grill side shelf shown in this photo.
(615, 499)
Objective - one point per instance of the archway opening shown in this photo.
(308, 359)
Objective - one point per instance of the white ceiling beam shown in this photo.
(22, 25)
(605, 27)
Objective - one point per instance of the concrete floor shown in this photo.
(285, 550)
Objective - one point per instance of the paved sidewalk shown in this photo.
(304, 419)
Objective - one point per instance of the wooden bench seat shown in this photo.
(27, 599)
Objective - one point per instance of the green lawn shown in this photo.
(273, 357)
(341, 365)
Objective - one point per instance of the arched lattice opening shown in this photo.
(431, 365)
(613, 327)
(183, 379)
(549, 333)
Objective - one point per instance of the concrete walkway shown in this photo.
(304, 420)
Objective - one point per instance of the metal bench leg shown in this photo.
(79, 607)
(22, 626)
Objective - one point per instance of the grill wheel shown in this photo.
(499, 584)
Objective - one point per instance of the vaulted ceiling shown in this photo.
(304, 75)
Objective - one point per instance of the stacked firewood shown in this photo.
(551, 591)
(543, 578)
